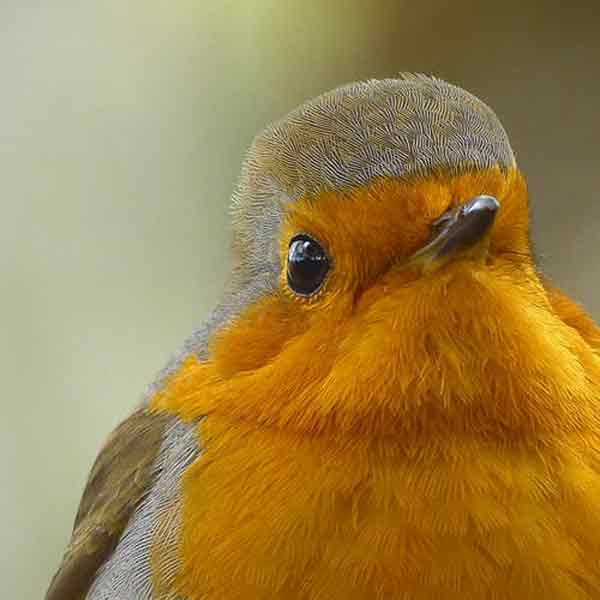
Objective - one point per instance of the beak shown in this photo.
(461, 231)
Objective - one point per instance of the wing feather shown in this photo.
(118, 482)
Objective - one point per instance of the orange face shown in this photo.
(382, 345)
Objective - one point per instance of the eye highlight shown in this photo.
(307, 265)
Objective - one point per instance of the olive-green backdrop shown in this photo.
(122, 127)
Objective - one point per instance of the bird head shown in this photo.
(383, 280)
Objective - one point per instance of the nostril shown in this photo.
(441, 223)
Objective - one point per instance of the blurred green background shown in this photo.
(123, 125)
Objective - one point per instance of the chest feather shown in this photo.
(270, 515)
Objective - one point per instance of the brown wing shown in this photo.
(119, 479)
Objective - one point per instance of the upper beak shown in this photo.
(461, 231)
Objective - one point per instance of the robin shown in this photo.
(390, 402)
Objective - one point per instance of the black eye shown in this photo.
(307, 265)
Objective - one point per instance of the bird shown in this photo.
(390, 401)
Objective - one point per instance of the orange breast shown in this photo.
(269, 514)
